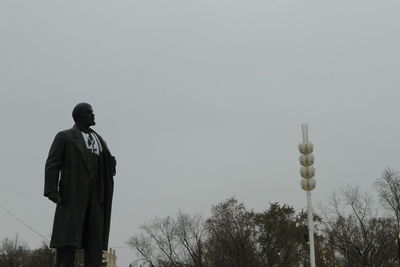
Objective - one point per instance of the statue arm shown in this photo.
(113, 165)
(54, 164)
(107, 151)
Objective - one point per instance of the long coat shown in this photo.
(67, 171)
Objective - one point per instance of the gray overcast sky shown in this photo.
(199, 100)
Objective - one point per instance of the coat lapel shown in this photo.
(102, 142)
(80, 143)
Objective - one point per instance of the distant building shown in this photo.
(109, 258)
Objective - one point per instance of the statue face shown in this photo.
(86, 116)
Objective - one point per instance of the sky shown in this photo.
(199, 101)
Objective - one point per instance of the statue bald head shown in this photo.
(83, 114)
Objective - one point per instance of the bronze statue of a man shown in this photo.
(79, 179)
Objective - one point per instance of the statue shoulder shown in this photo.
(65, 134)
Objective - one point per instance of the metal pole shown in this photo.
(310, 229)
(310, 217)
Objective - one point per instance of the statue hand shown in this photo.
(54, 196)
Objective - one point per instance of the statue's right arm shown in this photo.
(54, 164)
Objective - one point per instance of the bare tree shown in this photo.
(145, 249)
(388, 188)
(16, 253)
(43, 257)
(171, 242)
(13, 253)
(191, 231)
(359, 237)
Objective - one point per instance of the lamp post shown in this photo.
(308, 183)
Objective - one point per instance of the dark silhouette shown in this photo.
(79, 179)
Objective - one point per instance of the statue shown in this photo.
(79, 179)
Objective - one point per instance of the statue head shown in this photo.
(83, 115)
